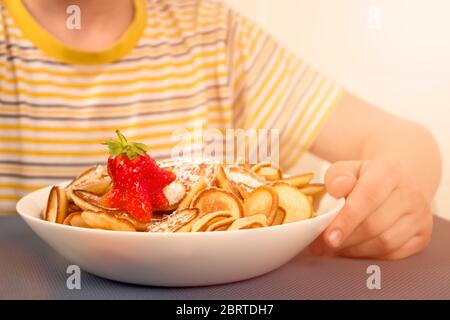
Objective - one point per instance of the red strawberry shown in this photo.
(138, 182)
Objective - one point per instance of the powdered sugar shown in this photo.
(237, 175)
(174, 221)
(189, 172)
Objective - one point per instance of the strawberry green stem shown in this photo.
(121, 146)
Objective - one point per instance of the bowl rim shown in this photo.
(28, 217)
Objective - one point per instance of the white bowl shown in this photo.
(177, 259)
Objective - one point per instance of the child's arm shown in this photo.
(389, 169)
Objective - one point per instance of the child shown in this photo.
(149, 67)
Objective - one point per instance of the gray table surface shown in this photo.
(29, 269)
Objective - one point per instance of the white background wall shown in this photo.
(394, 53)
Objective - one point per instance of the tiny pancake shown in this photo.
(294, 202)
(279, 217)
(316, 200)
(252, 222)
(313, 189)
(270, 173)
(255, 168)
(188, 226)
(205, 221)
(175, 222)
(86, 175)
(94, 180)
(298, 181)
(105, 221)
(268, 170)
(200, 185)
(139, 226)
(214, 199)
(75, 220)
(244, 178)
(72, 207)
(243, 192)
(221, 225)
(223, 182)
(190, 171)
(262, 200)
(90, 202)
(99, 187)
(57, 204)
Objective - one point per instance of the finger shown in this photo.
(397, 205)
(341, 177)
(414, 245)
(319, 248)
(389, 241)
(372, 189)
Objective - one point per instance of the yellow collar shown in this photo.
(57, 49)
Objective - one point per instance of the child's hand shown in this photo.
(386, 215)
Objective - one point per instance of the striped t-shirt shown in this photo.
(180, 65)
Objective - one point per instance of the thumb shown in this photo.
(341, 178)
